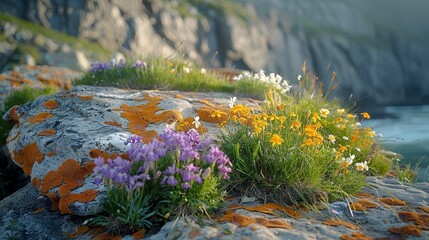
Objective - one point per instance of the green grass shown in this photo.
(56, 35)
(204, 7)
(30, 49)
(169, 74)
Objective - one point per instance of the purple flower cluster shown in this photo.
(101, 66)
(190, 161)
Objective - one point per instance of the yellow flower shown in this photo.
(338, 119)
(369, 132)
(343, 148)
(310, 131)
(324, 112)
(292, 114)
(365, 115)
(351, 116)
(331, 138)
(307, 142)
(216, 113)
(282, 119)
(281, 106)
(315, 117)
(276, 140)
(273, 117)
(341, 111)
(295, 125)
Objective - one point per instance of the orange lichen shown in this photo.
(355, 236)
(338, 222)
(140, 116)
(66, 200)
(47, 132)
(95, 153)
(39, 117)
(54, 199)
(13, 114)
(140, 234)
(356, 206)
(206, 102)
(424, 208)
(113, 123)
(269, 208)
(69, 176)
(51, 104)
(82, 229)
(238, 219)
(179, 96)
(362, 204)
(148, 136)
(418, 218)
(85, 97)
(392, 201)
(406, 231)
(244, 221)
(51, 154)
(276, 223)
(212, 114)
(51, 180)
(35, 182)
(27, 156)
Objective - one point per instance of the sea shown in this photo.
(405, 130)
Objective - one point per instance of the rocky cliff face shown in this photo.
(379, 59)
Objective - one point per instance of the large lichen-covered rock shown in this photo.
(56, 137)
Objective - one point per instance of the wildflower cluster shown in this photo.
(272, 79)
(299, 139)
(177, 167)
(114, 64)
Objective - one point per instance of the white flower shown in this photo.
(358, 124)
(345, 162)
(231, 101)
(203, 71)
(196, 122)
(358, 149)
(299, 77)
(345, 138)
(362, 166)
(186, 69)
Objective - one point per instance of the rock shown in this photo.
(27, 211)
(35, 76)
(74, 59)
(58, 136)
(6, 51)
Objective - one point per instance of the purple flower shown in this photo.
(193, 136)
(171, 170)
(139, 64)
(192, 168)
(198, 179)
(224, 170)
(187, 176)
(185, 185)
(188, 153)
(171, 180)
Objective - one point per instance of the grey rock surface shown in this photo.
(60, 135)
(27, 211)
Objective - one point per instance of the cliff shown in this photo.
(379, 59)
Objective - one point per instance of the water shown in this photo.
(406, 131)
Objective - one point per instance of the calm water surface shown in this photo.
(406, 132)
